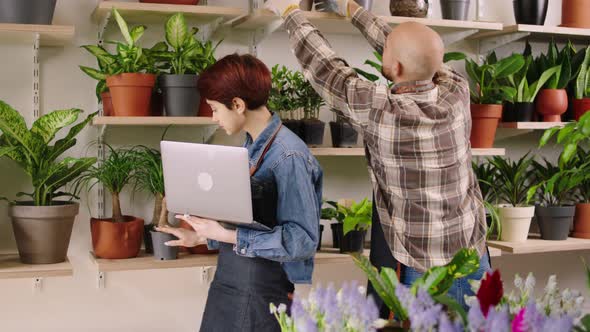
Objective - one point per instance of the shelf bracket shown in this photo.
(206, 274)
(100, 280)
(37, 285)
(102, 27)
(211, 29)
(36, 88)
(487, 44)
(457, 36)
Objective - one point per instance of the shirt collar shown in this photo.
(412, 87)
(255, 148)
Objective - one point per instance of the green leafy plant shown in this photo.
(307, 98)
(555, 186)
(31, 150)
(554, 58)
(581, 163)
(149, 177)
(514, 178)
(437, 281)
(486, 177)
(357, 217)
(582, 87)
(570, 136)
(282, 96)
(486, 80)
(115, 172)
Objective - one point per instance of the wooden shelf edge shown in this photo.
(50, 35)
(531, 125)
(535, 246)
(12, 268)
(152, 121)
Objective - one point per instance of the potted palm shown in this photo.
(554, 191)
(311, 102)
(552, 100)
(512, 184)
(131, 84)
(522, 107)
(282, 98)
(42, 223)
(357, 220)
(185, 57)
(486, 175)
(487, 94)
(119, 236)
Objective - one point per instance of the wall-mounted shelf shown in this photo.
(152, 121)
(533, 246)
(49, 35)
(340, 152)
(12, 268)
(494, 39)
(136, 12)
(531, 125)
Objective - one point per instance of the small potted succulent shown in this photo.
(42, 221)
(552, 100)
(119, 236)
(310, 102)
(512, 183)
(282, 98)
(487, 94)
(554, 190)
(357, 220)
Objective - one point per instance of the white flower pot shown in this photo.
(516, 222)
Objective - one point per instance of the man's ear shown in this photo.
(239, 105)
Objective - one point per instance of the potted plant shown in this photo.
(311, 102)
(512, 184)
(575, 14)
(486, 176)
(552, 100)
(530, 11)
(522, 107)
(582, 87)
(106, 65)
(343, 133)
(131, 84)
(27, 12)
(282, 98)
(357, 220)
(42, 223)
(582, 215)
(119, 236)
(185, 57)
(487, 94)
(455, 9)
(554, 189)
(409, 8)
(330, 213)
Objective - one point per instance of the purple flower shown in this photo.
(475, 317)
(445, 324)
(498, 320)
(564, 323)
(533, 319)
(423, 312)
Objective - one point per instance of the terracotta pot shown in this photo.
(42, 233)
(173, 2)
(107, 104)
(582, 221)
(204, 109)
(116, 240)
(409, 8)
(200, 249)
(575, 13)
(552, 103)
(581, 106)
(485, 119)
(131, 93)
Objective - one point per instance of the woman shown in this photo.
(255, 267)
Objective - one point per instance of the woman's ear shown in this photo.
(239, 105)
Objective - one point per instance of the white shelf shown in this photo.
(136, 12)
(49, 35)
(532, 246)
(490, 40)
(531, 125)
(152, 121)
(12, 268)
(360, 152)
(332, 23)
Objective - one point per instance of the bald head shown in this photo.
(412, 52)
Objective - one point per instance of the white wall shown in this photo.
(173, 300)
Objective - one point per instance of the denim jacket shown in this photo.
(297, 176)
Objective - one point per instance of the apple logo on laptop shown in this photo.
(205, 181)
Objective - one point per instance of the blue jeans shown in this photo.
(460, 287)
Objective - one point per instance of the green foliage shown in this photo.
(149, 174)
(555, 185)
(358, 217)
(571, 136)
(332, 212)
(486, 79)
(486, 175)
(554, 58)
(32, 151)
(514, 177)
(307, 98)
(282, 96)
(581, 163)
(582, 87)
(183, 52)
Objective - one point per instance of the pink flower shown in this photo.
(490, 292)
(519, 323)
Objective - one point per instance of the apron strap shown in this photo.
(254, 168)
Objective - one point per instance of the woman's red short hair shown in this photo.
(237, 76)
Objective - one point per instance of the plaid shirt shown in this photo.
(417, 146)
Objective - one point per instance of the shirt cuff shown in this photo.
(243, 246)
(294, 19)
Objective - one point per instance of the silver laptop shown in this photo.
(208, 181)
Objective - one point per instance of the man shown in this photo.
(416, 135)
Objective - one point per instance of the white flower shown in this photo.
(551, 284)
(566, 295)
(530, 282)
(362, 290)
(518, 282)
(282, 308)
(273, 309)
(579, 300)
(470, 300)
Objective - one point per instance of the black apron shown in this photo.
(243, 287)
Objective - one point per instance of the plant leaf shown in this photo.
(123, 27)
(137, 32)
(49, 124)
(176, 31)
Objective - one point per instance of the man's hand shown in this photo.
(281, 7)
(341, 7)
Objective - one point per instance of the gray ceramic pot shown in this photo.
(555, 221)
(455, 9)
(409, 8)
(163, 252)
(43, 233)
(181, 96)
(27, 11)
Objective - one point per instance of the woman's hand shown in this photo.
(186, 237)
(210, 229)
